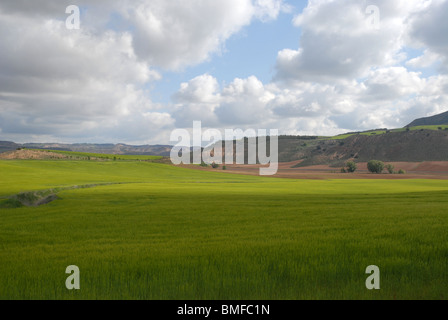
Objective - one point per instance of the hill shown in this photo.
(391, 146)
(425, 140)
(406, 146)
(115, 149)
(8, 146)
(436, 120)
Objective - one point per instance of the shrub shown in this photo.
(224, 168)
(203, 164)
(343, 170)
(390, 168)
(351, 166)
(375, 166)
(401, 171)
(215, 165)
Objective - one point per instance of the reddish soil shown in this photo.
(30, 155)
(414, 170)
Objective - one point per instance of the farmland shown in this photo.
(86, 155)
(153, 231)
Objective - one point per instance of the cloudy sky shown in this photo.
(137, 69)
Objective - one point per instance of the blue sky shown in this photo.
(252, 52)
(137, 70)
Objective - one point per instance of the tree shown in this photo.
(215, 165)
(351, 166)
(375, 166)
(390, 168)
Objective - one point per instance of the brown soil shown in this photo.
(30, 154)
(414, 170)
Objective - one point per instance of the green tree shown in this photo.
(390, 168)
(351, 166)
(375, 166)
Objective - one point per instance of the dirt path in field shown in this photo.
(43, 197)
(414, 170)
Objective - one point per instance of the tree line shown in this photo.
(374, 166)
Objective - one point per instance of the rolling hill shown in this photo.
(116, 149)
(439, 119)
(424, 139)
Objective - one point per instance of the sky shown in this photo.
(136, 70)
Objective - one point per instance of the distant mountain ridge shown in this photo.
(407, 145)
(437, 120)
(119, 149)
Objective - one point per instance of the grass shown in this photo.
(380, 132)
(85, 155)
(172, 233)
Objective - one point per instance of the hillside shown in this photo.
(394, 146)
(407, 146)
(425, 140)
(117, 149)
(439, 119)
(8, 146)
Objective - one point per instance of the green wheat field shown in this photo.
(140, 230)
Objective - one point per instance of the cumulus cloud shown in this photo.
(428, 29)
(55, 81)
(174, 34)
(337, 41)
(357, 75)
(196, 100)
(93, 83)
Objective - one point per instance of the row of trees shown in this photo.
(374, 166)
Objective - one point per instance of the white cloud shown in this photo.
(427, 59)
(357, 76)
(176, 33)
(202, 89)
(55, 81)
(337, 42)
(391, 84)
(92, 84)
(428, 29)
(197, 100)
